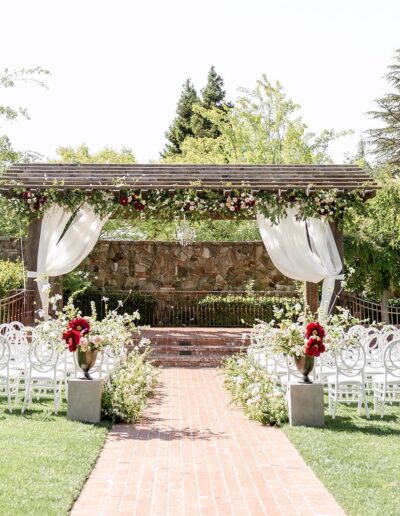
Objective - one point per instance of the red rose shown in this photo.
(79, 324)
(139, 206)
(72, 338)
(27, 195)
(124, 201)
(314, 329)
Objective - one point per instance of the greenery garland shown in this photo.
(195, 205)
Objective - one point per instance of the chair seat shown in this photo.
(14, 373)
(372, 371)
(49, 375)
(393, 380)
(344, 380)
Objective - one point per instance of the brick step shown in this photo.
(206, 347)
(191, 353)
(186, 361)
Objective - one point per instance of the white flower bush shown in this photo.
(126, 392)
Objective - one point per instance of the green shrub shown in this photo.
(76, 281)
(144, 302)
(11, 277)
(238, 310)
(253, 389)
(125, 394)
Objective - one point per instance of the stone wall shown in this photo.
(155, 265)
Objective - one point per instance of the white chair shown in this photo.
(387, 385)
(347, 385)
(9, 378)
(44, 373)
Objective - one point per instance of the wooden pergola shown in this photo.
(171, 178)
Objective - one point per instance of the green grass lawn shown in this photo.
(357, 460)
(44, 459)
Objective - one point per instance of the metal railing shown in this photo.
(371, 311)
(190, 308)
(17, 307)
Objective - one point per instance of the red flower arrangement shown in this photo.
(72, 338)
(134, 199)
(314, 335)
(36, 201)
(79, 324)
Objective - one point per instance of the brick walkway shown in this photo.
(194, 455)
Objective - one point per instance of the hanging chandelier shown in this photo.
(184, 233)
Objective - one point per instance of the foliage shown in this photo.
(238, 310)
(262, 127)
(212, 97)
(238, 205)
(372, 242)
(253, 390)
(356, 458)
(47, 456)
(290, 332)
(181, 126)
(133, 301)
(125, 394)
(9, 79)
(386, 140)
(114, 331)
(81, 154)
(76, 281)
(11, 276)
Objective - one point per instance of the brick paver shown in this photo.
(193, 454)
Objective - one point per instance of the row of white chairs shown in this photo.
(38, 369)
(365, 360)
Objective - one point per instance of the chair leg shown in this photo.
(365, 400)
(383, 402)
(336, 400)
(26, 397)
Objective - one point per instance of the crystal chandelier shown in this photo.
(184, 234)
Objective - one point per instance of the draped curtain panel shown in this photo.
(61, 250)
(304, 251)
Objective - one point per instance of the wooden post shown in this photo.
(385, 307)
(338, 294)
(31, 259)
(311, 297)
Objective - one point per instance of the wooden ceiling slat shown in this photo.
(171, 177)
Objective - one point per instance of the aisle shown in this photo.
(195, 455)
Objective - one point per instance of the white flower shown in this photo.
(105, 299)
(46, 288)
(297, 307)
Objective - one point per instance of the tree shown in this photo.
(386, 139)
(10, 223)
(181, 126)
(212, 97)
(262, 127)
(372, 241)
(81, 154)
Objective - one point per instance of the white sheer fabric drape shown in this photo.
(59, 252)
(303, 250)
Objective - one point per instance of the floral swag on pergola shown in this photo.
(191, 203)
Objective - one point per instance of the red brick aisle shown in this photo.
(194, 455)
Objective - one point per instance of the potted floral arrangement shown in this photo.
(86, 336)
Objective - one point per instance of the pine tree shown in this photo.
(212, 96)
(181, 126)
(386, 140)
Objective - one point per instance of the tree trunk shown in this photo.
(384, 307)
(338, 294)
(311, 297)
(34, 302)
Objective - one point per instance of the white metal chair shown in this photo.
(347, 385)
(44, 373)
(9, 378)
(387, 385)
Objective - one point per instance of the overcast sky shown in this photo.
(118, 66)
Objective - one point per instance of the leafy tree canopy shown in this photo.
(262, 127)
(81, 154)
(386, 139)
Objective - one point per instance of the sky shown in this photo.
(117, 67)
